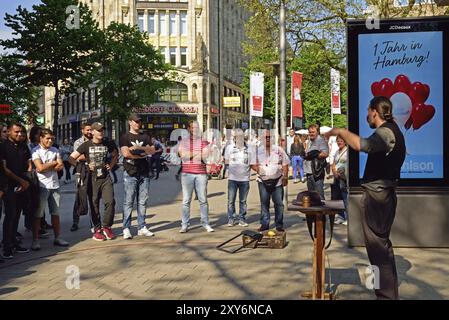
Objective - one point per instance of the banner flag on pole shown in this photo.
(296, 95)
(335, 92)
(256, 94)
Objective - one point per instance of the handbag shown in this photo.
(319, 168)
(270, 184)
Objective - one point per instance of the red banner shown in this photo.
(5, 109)
(296, 94)
(257, 103)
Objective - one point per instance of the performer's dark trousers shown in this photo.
(379, 209)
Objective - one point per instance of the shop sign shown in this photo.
(167, 109)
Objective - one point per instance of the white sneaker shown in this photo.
(230, 223)
(145, 232)
(127, 234)
(339, 220)
(208, 228)
(35, 246)
(243, 223)
(345, 223)
(183, 229)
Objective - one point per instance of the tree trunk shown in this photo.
(56, 111)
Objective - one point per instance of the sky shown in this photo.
(9, 6)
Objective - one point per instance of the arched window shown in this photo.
(177, 92)
(212, 93)
(204, 93)
(194, 93)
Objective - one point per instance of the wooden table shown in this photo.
(330, 208)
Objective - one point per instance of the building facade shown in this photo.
(201, 39)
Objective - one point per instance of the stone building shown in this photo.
(202, 39)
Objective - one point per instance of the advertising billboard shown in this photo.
(404, 61)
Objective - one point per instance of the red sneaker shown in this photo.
(98, 235)
(108, 233)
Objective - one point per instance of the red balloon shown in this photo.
(375, 89)
(421, 114)
(426, 90)
(402, 84)
(419, 92)
(386, 88)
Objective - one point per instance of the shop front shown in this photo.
(160, 119)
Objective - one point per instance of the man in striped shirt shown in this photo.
(192, 152)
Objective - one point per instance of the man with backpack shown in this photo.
(135, 147)
(315, 163)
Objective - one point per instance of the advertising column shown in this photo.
(404, 60)
(408, 70)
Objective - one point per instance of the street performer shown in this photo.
(386, 154)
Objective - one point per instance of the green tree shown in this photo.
(22, 98)
(132, 71)
(260, 49)
(316, 87)
(57, 51)
(415, 8)
(316, 38)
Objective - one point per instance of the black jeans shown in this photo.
(155, 161)
(103, 188)
(67, 166)
(13, 207)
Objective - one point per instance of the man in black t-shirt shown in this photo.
(96, 153)
(135, 147)
(17, 162)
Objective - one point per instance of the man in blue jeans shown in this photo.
(135, 147)
(193, 150)
(272, 175)
(237, 156)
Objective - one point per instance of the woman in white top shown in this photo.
(340, 172)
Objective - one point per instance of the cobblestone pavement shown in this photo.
(175, 266)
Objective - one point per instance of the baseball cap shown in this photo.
(134, 117)
(97, 126)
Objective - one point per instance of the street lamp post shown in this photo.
(276, 66)
(282, 54)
